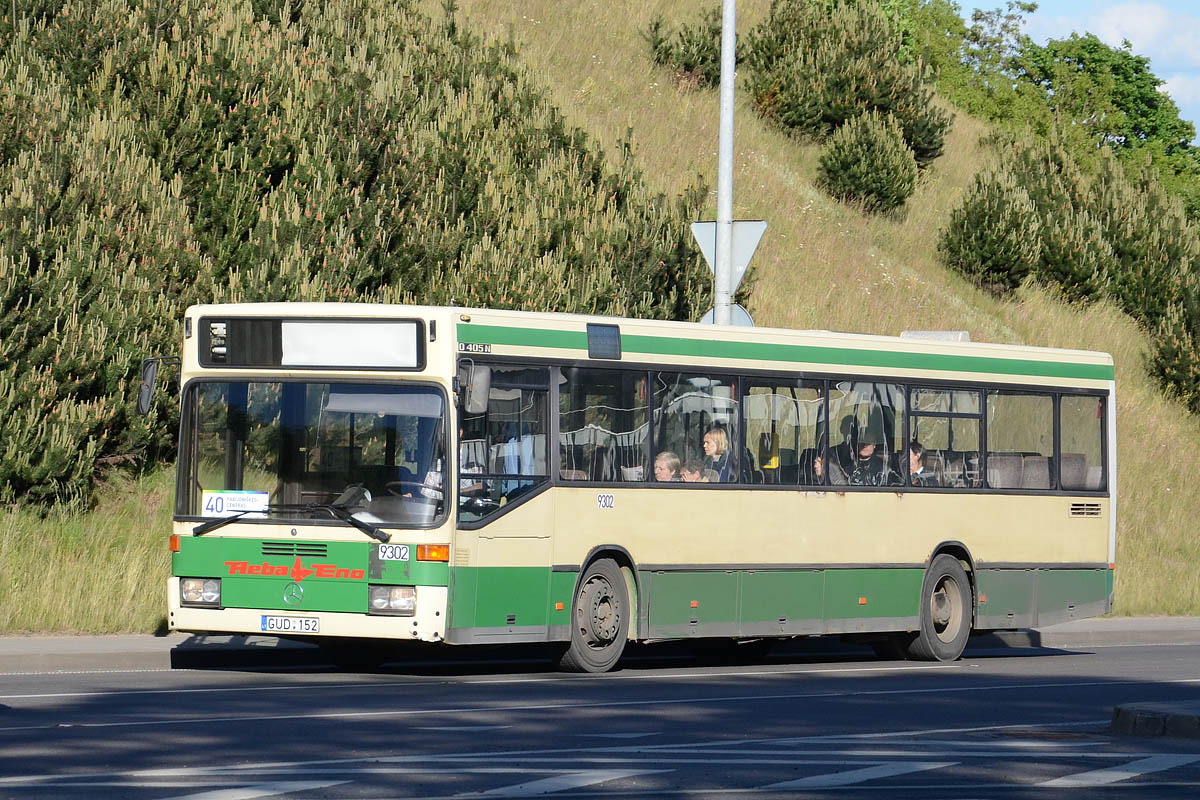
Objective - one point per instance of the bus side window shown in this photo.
(603, 424)
(510, 436)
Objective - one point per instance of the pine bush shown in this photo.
(693, 51)
(1150, 235)
(812, 66)
(993, 236)
(1076, 257)
(1175, 358)
(867, 161)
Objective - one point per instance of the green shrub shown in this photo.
(1175, 359)
(813, 66)
(1076, 257)
(693, 51)
(867, 161)
(1150, 235)
(993, 237)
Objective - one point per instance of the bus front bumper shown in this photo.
(427, 625)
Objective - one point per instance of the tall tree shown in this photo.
(1109, 91)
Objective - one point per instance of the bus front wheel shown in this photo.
(599, 619)
(946, 608)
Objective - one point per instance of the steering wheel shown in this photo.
(478, 505)
(403, 488)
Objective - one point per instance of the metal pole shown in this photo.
(723, 270)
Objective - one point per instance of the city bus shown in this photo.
(473, 476)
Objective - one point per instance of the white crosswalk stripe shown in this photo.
(561, 783)
(1102, 777)
(853, 776)
(259, 790)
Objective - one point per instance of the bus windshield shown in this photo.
(280, 450)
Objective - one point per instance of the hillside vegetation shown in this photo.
(616, 149)
(157, 154)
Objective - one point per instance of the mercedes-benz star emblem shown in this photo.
(293, 593)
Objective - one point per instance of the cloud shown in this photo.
(1041, 27)
(1184, 89)
(1166, 36)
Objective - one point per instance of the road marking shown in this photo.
(461, 728)
(851, 777)
(561, 783)
(1102, 777)
(617, 735)
(261, 790)
(82, 672)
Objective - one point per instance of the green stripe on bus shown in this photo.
(496, 598)
(765, 351)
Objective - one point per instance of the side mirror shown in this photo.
(146, 390)
(479, 387)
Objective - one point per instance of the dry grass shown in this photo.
(823, 265)
(100, 572)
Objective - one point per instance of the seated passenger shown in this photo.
(666, 467)
(693, 471)
(869, 467)
(716, 453)
(917, 474)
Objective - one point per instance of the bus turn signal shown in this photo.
(433, 552)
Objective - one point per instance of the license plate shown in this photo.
(290, 624)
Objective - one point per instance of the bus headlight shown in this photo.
(200, 592)
(400, 601)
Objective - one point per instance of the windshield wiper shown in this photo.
(342, 512)
(213, 524)
(339, 510)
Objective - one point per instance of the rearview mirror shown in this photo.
(479, 387)
(146, 390)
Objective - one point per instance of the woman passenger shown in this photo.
(716, 453)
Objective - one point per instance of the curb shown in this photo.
(1157, 719)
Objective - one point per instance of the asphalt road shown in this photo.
(1002, 722)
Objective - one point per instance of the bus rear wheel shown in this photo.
(945, 612)
(599, 619)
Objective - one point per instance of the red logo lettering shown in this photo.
(299, 573)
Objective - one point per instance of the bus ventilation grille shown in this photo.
(304, 549)
(1085, 509)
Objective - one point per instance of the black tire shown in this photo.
(599, 619)
(946, 611)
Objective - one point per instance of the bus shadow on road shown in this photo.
(272, 654)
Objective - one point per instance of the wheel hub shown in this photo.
(602, 616)
(945, 609)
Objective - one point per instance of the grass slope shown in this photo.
(820, 265)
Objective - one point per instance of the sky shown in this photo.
(1165, 31)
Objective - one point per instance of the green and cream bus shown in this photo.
(472, 476)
